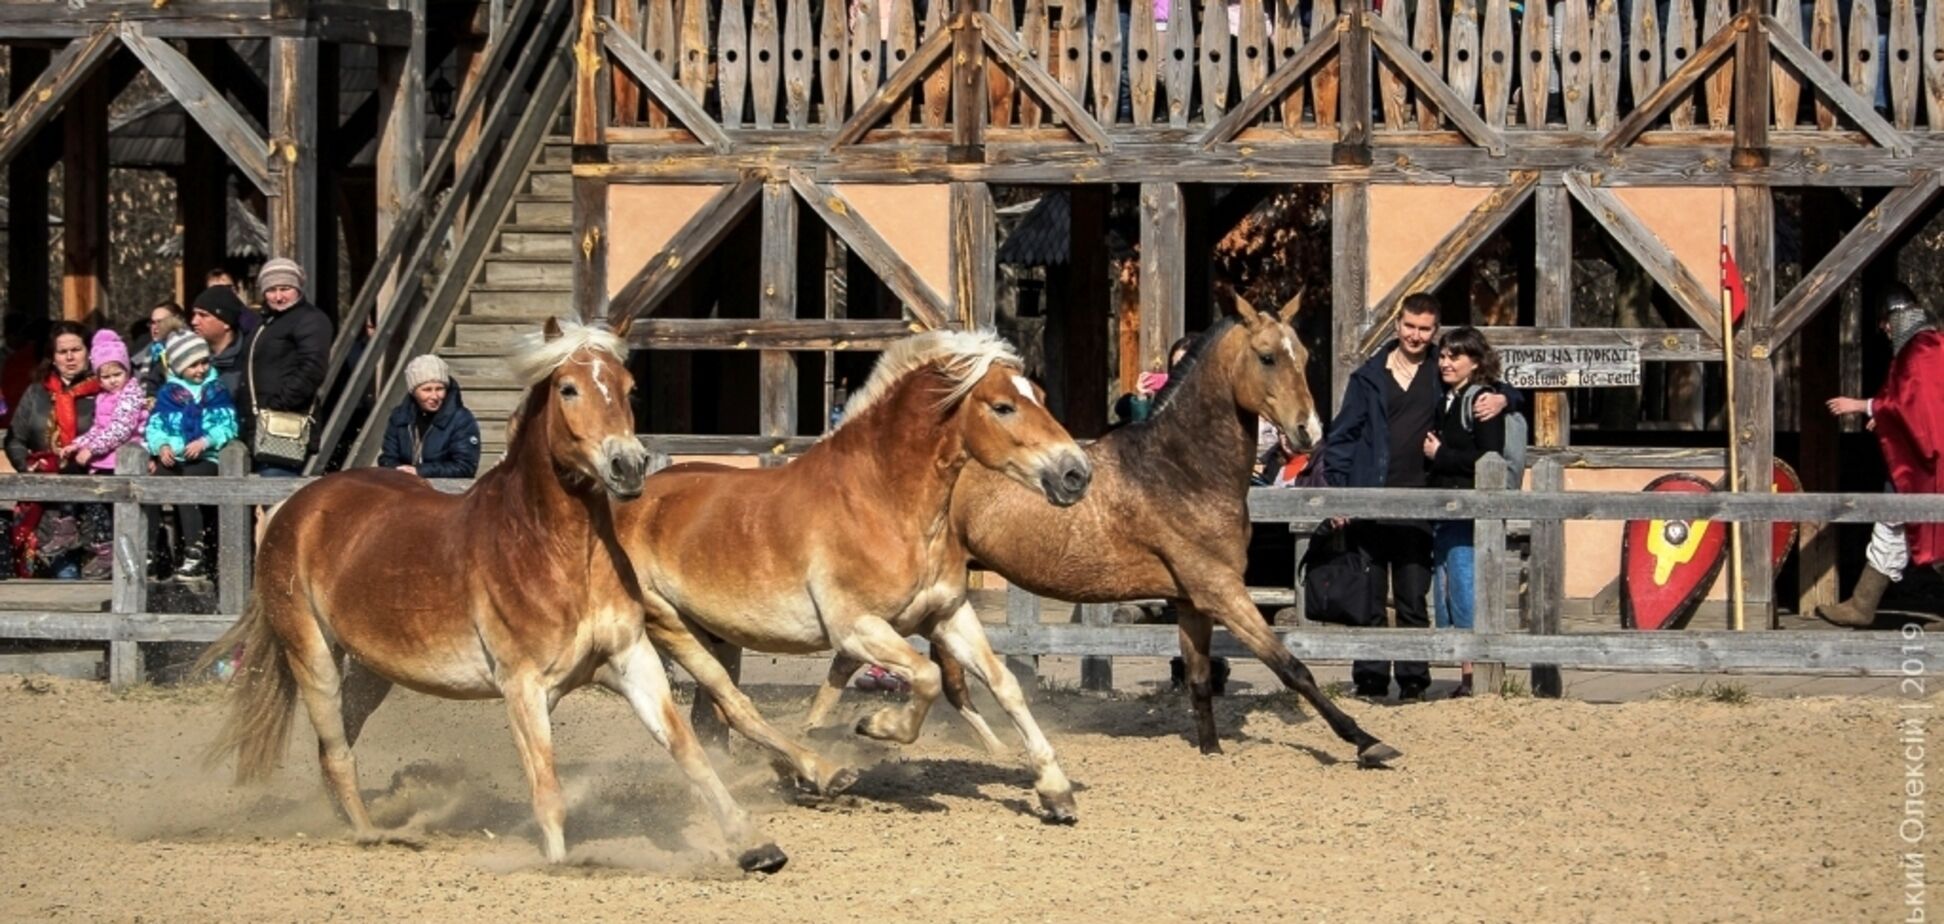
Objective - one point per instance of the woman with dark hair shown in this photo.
(1468, 365)
(57, 408)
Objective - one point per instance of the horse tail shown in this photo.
(262, 694)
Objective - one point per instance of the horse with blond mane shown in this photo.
(516, 589)
(850, 546)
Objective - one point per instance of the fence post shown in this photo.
(235, 537)
(1095, 673)
(1023, 610)
(1546, 584)
(130, 575)
(1489, 614)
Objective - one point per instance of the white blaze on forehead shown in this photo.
(1289, 345)
(1025, 387)
(594, 370)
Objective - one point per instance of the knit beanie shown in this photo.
(423, 369)
(281, 271)
(108, 348)
(222, 303)
(184, 350)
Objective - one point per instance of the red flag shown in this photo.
(1731, 283)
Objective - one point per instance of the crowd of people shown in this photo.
(182, 385)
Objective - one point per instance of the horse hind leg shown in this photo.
(1196, 632)
(842, 668)
(873, 640)
(636, 674)
(315, 667)
(965, 640)
(710, 721)
(952, 675)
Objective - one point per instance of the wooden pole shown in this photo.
(401, 136)
(84, 186)
(27, 231)
(293, 140)
(1164, 236)
(1735, 590)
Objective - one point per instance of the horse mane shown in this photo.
(1198, 351)
(964, 357)
(538, 357)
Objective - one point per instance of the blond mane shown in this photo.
(538, 357)
(963, 355)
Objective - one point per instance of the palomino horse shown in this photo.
(515, 589)
(849, 546)
(1168, 514)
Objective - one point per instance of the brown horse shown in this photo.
(1168, 513)
(850, 546)
(516, 589)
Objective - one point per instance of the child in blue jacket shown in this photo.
(193, 419)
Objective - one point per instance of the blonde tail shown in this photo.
(262, 693)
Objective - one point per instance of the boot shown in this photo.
(192, 566)
(1859, 611)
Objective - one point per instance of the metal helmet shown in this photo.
(1898, 297)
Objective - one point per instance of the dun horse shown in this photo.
(515, 589)
(1167, 516)
(850, 547)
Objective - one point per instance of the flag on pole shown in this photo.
(1733, 294)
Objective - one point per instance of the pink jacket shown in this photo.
(120, 417)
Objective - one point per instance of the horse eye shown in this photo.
(1003, 410)
(1268, 359)
(569, 391)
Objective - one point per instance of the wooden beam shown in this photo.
(591, 241)
(204, 103)
(894, 90)
(975, 274)
(1489, 597)
(593, 95)
(1753, 91)
(1353, 92)
(1880, 226)
(1436, 267)
(1287, 75)
(663, 88)
(60, 80)
(1674, 278)
(864, 241)
(1677, 86)
(1656, 344)
(666, 269)
(27, 204)
(768, 334)
(1755, 391)
(84, 191)
(293, 138)
(238, 78)
(1349, 278)
(1832, 87)
(1407, 62)
(968, 84)
(1164, 276)
(776, 302)
(1013, 57)
(399, 111)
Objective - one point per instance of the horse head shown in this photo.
(1267, 364)
(581, 405)
(1008, 429)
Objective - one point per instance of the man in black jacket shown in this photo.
(284, 362)
(1377, 441)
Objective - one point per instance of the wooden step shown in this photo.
(511, 303)
(480, 370)
(495, 403)
(548, 211)
(558, 184)
(537, 243)
(491, 333)
(530, 270)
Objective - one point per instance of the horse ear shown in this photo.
(1246, 310)
(621, 329)
(1291, 307)
(551, 330)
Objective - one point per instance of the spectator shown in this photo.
(431, 434)
(1907, 415)
(121, 408)
(1468, 366)
(215, 316)
(247, 321)
(165, 319)
(53, 412)
(284, 361)
(1377, 440)
(1139, 403)
(193, 419)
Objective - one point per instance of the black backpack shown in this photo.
(1340, 584)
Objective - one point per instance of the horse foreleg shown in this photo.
(1196, 635)
(965, 640)
(527, 707)
(711, 676)
(952, 674)
(636, 673)
(1228, 601)
(842, 667)
(873, 640)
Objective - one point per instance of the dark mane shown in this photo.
(1194, 441)
(1191, 360)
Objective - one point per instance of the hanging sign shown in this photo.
(1568, 366)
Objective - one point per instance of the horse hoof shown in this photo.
(1060, 809)
(839, 781)
(1378, 755)
(1211, 748)
(765, 859)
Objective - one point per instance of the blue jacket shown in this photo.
(188, 411)
(451, 445)
(1356, 453)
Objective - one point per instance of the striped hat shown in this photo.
(184, 350)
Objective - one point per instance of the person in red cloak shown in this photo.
(1908, 417)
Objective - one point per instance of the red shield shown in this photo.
(1667, 566)
(1786, 482)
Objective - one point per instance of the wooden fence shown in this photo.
(1498, 639)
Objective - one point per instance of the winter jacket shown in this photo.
(1459, 448)
(119, 419)
(33, 421)
(228, 366)
(188, 411)
(286, 357)
(449, 447)
(1356, 453)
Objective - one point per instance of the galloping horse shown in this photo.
(850, 546)
(516, 589)
(1167, 516)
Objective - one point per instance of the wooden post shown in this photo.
(84, 187)
(401, 136)
(1491, 613)
(1084, 315)
(1350, 308)
(1553, 308)
(293, 143)
(1752, 76)
(1096, 674)
(1164, 280)
(593, 98)
(202, 193)
(27, 231)
(235, 538)
(1755, 385)
(968, 84)
(131, 574)
(1023, 612)
(322, 268)
(1353, 93)
(777, 302)
(1819, 448)
(974, 248)
(1546, 577)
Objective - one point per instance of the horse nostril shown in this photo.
(1074, 479)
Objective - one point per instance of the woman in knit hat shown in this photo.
(193, 419)
(283, 363)
(431, 434)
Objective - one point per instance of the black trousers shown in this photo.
(193, 519)
(1401, 551)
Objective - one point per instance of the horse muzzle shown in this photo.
(1065, 477)
(623, 468)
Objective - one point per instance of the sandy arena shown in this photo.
(1783, 810)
